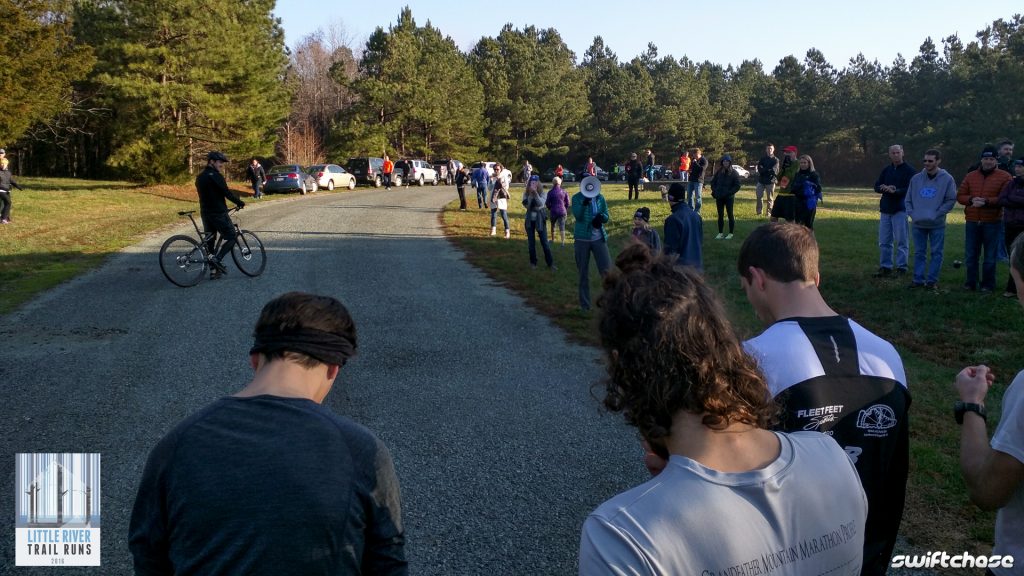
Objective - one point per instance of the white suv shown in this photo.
(422, 172)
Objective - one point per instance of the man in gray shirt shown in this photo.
(268, 481)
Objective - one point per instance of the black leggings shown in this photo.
(726, 204)
(634, 185)
(5, 205)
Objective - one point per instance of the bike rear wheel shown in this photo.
(248, 253)
(183, 261)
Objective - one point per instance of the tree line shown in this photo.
(143, 89)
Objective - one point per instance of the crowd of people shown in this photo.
(791, 449)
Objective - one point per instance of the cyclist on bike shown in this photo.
(213, 189)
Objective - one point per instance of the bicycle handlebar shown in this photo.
(187, 212)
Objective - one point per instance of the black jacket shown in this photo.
(213, 189)
(768, 169)
(255, 173)
(7, 180)
(724, 183)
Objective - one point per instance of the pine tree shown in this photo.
(39, 61)
(188, 76)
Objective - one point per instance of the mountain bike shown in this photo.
(185, 260)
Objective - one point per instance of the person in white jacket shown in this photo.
(500, 196)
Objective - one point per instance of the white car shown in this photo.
(331, 175)
(422, 172)
(741, 171)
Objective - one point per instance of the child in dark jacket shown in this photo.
(642, 231)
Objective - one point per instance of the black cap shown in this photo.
(215, 155)
(677, 192)
(989, 152)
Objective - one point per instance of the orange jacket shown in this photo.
(684, 163)
(388, 167)
(988, 187)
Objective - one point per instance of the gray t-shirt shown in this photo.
(268, 485)
(1009, 439)
(802, 514)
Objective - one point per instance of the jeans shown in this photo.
(928, 243)
(723, 205)
(504, 217)
(981, 236)
(256, 185)
(583, 250)
(1011, 231)
(481, 196)
(893, 228)
(1004, 254)
(767, 191)
(387, 180)
(538, 227)
(693, 190)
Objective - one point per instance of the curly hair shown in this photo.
(670, 347)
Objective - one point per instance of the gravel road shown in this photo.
(500, 447)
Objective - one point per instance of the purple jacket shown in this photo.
(557, 202)
(1012, 201)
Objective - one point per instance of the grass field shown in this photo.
(62, 227)
(936, 333)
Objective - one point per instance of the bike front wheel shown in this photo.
(183, 261)
(248, 253)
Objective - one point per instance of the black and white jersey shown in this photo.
(832, 375)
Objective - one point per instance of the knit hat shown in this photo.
(677, 192)
(989, 152)
(727, 158)
(643, 213)
(790, 149)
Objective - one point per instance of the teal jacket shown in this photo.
(584, 215)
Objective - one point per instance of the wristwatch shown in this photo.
(961, 407)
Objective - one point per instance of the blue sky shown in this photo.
(740, 30)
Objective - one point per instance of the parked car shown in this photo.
(490, 167)
(289, 178)
(601, 173)
(422, 172)
(549, 175)
(741, 171)
(331, 175)
(369, 170)
(441, 165)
